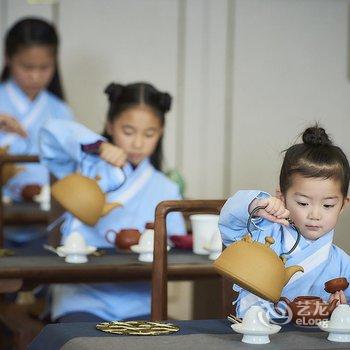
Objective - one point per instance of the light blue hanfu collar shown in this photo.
(19, 98)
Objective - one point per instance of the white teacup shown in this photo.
(215, 245)
(255, 319)
(146, 246)
(340, 317)
(75, 248)
(203, 227)
(339, 324)
(75, 242)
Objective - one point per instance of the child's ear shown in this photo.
(279, 194)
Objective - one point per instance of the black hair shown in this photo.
(316, 157)
(123, 97)
(30, 32)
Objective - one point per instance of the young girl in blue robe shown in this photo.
(314, 181)
(30, 94)
(128, 162)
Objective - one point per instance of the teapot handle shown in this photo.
(255, 210)
(277, 310)
(107, 236)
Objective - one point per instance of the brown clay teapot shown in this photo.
(83, 197)
(255, 267)
(307, 311)
(124, 239)
(29, 191)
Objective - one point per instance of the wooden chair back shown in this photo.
(159, 274)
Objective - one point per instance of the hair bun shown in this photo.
(164, 101)
(113, 91)
(316, 136)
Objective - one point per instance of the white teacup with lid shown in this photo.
(145, 246)
(75, 249)
(255, 326)
(339, 324)
(215, 245)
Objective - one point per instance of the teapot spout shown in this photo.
(290, 271)
(109, 207)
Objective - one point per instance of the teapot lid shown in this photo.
(149, 226)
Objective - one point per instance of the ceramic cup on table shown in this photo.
(339, 324)
(255, 326)
(203, 228)
(75, 249)
(145, 247)
(215, 245)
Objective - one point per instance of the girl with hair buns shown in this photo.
(128, 161)
(314, 181)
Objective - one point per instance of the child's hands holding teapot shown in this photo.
(274, 211)
(340, 296)
(112, 154)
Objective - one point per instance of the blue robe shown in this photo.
(32, 115)
(141, 191)
(321, 259)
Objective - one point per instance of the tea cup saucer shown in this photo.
(64, 251)
(137, 248)
(75, 256)
(256, 336)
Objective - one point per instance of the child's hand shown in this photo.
(340, 296)
(10, 124)
(112, 154)
(274, 211)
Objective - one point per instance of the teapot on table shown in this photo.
(83, 197)
(255, 267)
(308, 310)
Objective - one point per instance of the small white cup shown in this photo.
(339, 321)
(255, 319)
(75, 248)
(203, 227)
(340, 317)
(215, 245)
(75, 242)
(146, 244)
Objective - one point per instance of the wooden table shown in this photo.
(201, 335)
(45, 267)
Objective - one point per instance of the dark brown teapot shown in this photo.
(307, 311)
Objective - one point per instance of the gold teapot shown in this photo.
(255, 267)
(83, 197)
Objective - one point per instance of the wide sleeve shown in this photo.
(234, 215)
(61, 143)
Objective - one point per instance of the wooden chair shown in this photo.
(16, 318)
(159, 274)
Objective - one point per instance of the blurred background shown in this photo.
(247, 76)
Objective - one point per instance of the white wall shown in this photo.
(246, 75)
(290, 69)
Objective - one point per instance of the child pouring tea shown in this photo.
(314, 181)
(128, 161)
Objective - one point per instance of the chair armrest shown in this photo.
(159, 272)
